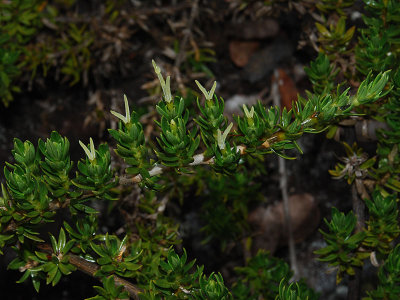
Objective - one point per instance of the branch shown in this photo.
(358, 209)
(90, 269)
(368, 91)
(53, 206)
(284, 188)
(198, 159)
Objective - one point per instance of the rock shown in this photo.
(241, 51)
(264, 61)
(270, 226)
(234, 104)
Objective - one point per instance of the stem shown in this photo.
(277, 136)
(288, 220)
(198, 159)
(53, 206)
(358, 209)
(90, 269)
(283, 185)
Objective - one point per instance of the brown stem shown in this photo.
(284, 189)
(90, 269)
(53, 206)
(358, 209)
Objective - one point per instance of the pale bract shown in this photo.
(221, 137)
(127, 118)
(249, 114)
(91, 154)
(209, 94)
(165, 85)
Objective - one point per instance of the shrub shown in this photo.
(39, 184)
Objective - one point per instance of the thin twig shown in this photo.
(198, 159)
(284, 189)
(90, 268)
(359, 211)
(187, 35)
(53, 206)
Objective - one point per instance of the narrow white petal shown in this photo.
(249, 114)
(119, 116)
(127, 112)
(156, 68)
(220, 141)
(167, 92)
(226, 132)
(202, 89)
(92, 151)
(211, 93)
(246, 111)
(85, 148)
(252, 112)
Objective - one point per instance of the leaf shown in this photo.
(51, 273)
(104, 260)
(41, 255)
(54, 243)
(66, 269)
(56, 278)
(32, 237)
(132, 266)
(107, 268)
(61, 240)
(24, 276)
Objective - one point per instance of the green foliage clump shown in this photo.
(36, 42)
(267, 277)
(388, 275)
(143, 264)
(321, 74)
(39, 183)
(110, 290)
(343, 243)
(20, 21)
(383, 226)
(376, 180)
(378, 45)
(335, 40)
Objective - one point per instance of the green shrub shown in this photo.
(39, 183)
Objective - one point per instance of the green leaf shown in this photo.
(61, 240)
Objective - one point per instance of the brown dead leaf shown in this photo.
(287, 89)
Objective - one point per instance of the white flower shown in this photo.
(165, 85)
(248, 114)
(127, 117)
(209, 94)
(221, 137)
(91, 154)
